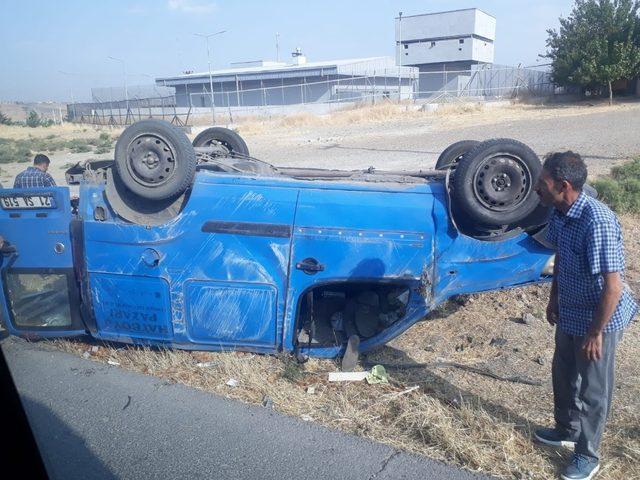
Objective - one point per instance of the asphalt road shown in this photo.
(96, 421)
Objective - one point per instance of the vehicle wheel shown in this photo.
(451, 155)
(155, 159)
(229, 140)
(494, 182)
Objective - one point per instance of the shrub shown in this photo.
(5, 120)
(11, 151)
(33, 119)
(621, 189)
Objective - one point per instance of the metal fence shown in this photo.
(117, 106)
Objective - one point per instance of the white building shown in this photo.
(456, 41)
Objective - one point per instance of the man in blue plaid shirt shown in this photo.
(35, 176)
(590, 305)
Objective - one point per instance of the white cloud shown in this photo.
(192, 6)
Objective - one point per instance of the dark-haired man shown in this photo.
(35, 176)
(590, 305)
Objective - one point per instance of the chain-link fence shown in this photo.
(274, 96)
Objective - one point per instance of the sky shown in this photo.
(53, 49)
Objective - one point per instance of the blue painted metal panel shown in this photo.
(34, 234)
(186, 253)
(131, 306)
(43, 243)
(357, 236)
(222, 313)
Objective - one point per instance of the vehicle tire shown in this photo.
(451, 156)
(494, 182)
(228, 139)
(155, 160)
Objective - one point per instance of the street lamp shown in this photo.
(207, 36)
(73, 102)
(124, 72)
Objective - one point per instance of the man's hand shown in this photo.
(553, 311)
(592, 346)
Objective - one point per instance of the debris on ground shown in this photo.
(347, 376)
(206, 364)
(232, 382)
(377, 375)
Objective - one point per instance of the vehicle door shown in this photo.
(214, 277)
(40, 294)
(356, 239)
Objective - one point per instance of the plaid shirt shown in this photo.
(33, 177)
(588, 240)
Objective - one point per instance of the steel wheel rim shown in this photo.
(502, 182)
(151, 160)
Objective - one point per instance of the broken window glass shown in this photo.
(39, 299)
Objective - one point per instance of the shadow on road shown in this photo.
(65, 454)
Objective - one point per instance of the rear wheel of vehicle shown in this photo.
(451, 156)
(229, 141)
(494, 182)
(155, 160)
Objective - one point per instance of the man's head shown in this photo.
(41, 162)
(562, 178)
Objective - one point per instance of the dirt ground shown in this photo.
(479, 422)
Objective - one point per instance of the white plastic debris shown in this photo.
(206, 364)
(347, 376)
(307, 418)
(232, 382)
(95, 349)
(311, 390)
(113, 362)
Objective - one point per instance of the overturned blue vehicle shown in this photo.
(201, 246)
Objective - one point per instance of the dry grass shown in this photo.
(67, 131)
(476, 422)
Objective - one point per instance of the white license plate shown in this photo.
(14, 202)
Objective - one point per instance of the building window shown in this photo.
(406, 46)
(433, 44)
(461, 40)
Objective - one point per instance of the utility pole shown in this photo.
(206, 37)
(277, 47)
(73, 102)
(400, 67)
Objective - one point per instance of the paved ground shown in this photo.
(602, 135)
(101, 422)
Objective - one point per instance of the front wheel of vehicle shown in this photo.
(155, 160)
(494, 182)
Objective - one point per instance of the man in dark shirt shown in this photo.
(36, 176)
(590, 306)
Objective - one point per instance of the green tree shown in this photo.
(5, 120)
(33, 119)
(598, 44)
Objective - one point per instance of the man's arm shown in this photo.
(611, 294)
(553, 308)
